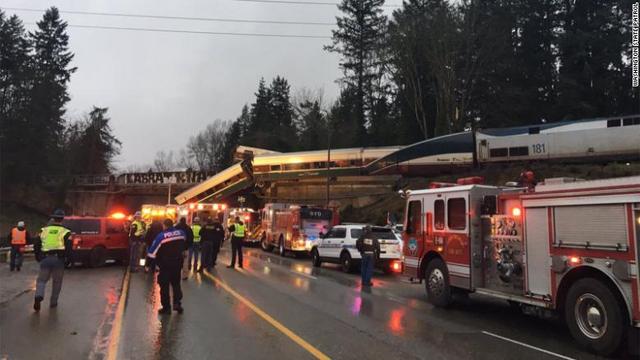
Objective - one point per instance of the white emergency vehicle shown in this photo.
(339, 246)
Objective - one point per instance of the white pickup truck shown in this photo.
(339, 246)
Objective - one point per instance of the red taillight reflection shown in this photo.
(396, 266)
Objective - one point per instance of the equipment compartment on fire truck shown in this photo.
(569, 246)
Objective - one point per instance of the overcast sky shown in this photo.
(161, 88)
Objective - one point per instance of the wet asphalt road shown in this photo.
(276, 308)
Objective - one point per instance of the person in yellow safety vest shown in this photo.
(18, 238)
(237, 231)
(52, 249)
(136, 241)
(194, 250)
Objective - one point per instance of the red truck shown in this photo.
(98, 239)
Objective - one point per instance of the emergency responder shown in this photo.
(182, 225)
(136, 241)
(18, 238)
(212, 235)
(369, 248)
(237, 231)
(194, 250)
(527, 179)
(154, 229)
(167, 250)
(51, 250)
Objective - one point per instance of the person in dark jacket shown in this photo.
(368, 246)
(182, 225)
(168, 251)
(212, 236)
(154, 229)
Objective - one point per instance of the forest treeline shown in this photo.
(435, 67)
(36, 139)
(430, 68)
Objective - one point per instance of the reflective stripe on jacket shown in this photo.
(53, 237)
(139, 228)
(238, 230)
(196, 232)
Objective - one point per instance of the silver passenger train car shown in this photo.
(616, 138)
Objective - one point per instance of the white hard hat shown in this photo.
(137, 214)
(20, 223)
(197, 219)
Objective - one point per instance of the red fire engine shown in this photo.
(294, 228)
(569, 246)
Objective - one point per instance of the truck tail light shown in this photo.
(516, 211)
(76, 242)
(396, 266)
(574, 260)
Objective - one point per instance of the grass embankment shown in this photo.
(376, 213)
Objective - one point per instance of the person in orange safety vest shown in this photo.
(18, 238)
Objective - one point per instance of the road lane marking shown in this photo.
(275, 323)
(303, 274)
(528, 346)
(114, 337)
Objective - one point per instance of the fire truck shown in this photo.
(294, 228)
(566, 246)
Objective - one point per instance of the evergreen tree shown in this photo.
(594, 78)
(98, 144)
(344, 121)
(282, 115)
(51, 73)
(359, 39)
(313, 127)
(14, 99)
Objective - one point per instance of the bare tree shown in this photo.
(206, 150)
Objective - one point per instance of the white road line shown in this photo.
(528, 346)
(305, 275)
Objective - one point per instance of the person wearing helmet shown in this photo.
(18, 238)
(51, 250)
(136, 241)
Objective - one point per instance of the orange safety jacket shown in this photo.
(18, 237)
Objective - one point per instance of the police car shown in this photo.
(339, 246)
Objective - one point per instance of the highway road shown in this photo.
(274, 308)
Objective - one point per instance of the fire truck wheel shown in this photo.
(437, 283)
(97, 257)
(346, 262)
(315, 258)
(264, 244)
(594, 316)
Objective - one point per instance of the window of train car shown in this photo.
(519, 151)
(498, 152)
(438, 214)
(613, 123)
(631, 121)
(457, 214)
